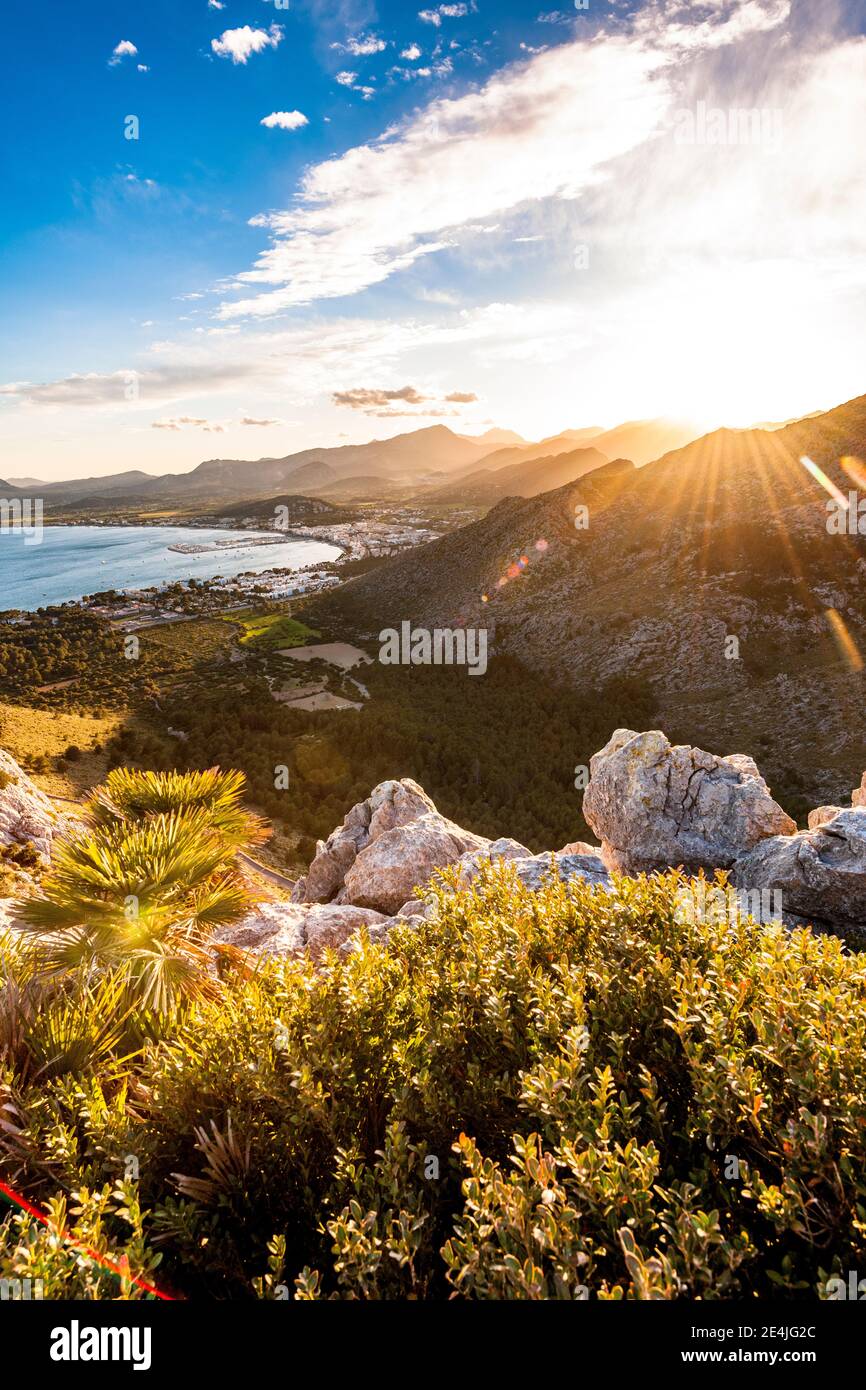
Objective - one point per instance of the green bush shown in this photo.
(548, 1095)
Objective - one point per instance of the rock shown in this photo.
(821, 815)
(27, 816)
(7, 915)
(389, 805)
(580, 847)
(290, 929)
(384, 873)
(858, 796)
(498, 850)
(331, 926)
(540, 869)
(415, 907)
(534, 870)
(820, 873)
(656, 806)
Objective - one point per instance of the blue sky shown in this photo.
(471, 213)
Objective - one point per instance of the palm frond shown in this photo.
(129, 794)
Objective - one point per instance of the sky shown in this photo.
(241, 228)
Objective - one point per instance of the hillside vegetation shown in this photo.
(536, 1095)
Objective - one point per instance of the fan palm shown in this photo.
(129, 794)
(139, 900)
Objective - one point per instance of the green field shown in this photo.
(268, 631)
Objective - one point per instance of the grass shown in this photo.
(30, 734)
(268, 631)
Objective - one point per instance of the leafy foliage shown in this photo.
(552, 1095)
(139, 892)
(128, 795)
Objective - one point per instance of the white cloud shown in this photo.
(215, 5)
(285, 120)
(449, 12)
(362, 46)
(142, 67)
(346, 79)
(125, 49)
(240, 44)
(377, 209)
(411, 53)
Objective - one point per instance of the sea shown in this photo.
(71, 562)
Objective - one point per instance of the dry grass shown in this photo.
(28, 733)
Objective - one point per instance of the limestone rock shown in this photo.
(822, 815)
(540, 869)
(291, 929)
(386, 871)
(27, 816)
(858, 796)
(389, 805)
(503, 849)
(534, 870)
(820, 873)
(658, 806)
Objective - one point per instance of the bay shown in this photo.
(70, 562)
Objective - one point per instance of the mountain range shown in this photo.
(709, 575)
(420, 460)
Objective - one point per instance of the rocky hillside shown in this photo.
(485, 486)
(654, 807)
(709, 574)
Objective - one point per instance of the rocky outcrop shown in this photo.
(292, 929)
(576, 861)
(387, 846)
(27, 817)
(656, 806)
(819, 873)
(389, 805)
(858, 796)
(384, 874)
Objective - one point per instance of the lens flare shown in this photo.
(121, 1269)
(855, 469)
(844, 641)
(827, 483)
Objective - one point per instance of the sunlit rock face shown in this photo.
(819, 873)
(653, 805)
(27, 816)
(656, 806)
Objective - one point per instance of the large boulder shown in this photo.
(389, 805)
(820, 874)
(858, 796)
(384, 874)
(656, 806)
(27, 817)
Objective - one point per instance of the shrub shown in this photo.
(547, 1095)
